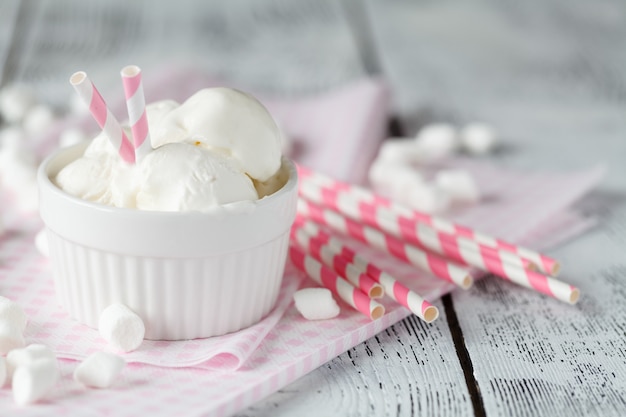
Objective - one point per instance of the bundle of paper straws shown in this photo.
(446, 250)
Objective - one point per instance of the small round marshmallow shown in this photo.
(33, 381)
(71, 136)
(10, 337)
(12, 139)
(478, 138)
(99, 370)
(28, 355)
(41, 243)
(390, 179)
(38, 119)
(15, 102)
(121, 327)
(398, 150)
(316, 303)
(436, 141)
(459, 185)
(427, 198)
(12, 313)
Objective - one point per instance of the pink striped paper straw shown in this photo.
(361, 280)
(407, 228)
(430, 239)
(326, 277)
(544, 263)
(426, 261)
(393, 288)
(103, 116)
(136, 104)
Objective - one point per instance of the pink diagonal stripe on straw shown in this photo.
(427, 261)
(361, 280)
(136, 104)
(393, 288)
(103, 116)
(326, 277)
(407, 228)
(545, 263)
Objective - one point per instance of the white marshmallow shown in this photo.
(27, 356)
(41, 243)
(33, 381)
(10, 337)
(15, 102)
(316, 303)
(121, 327)
(436, 141)
(3, 372)
(12, 313)
(459, 185)
(478, 138)
(426, 198)
(71, 136)
(38, 119)
(99, 370)
(398, 150)
(12, 139)
(391, 178)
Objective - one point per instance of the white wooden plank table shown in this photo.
(551, 77)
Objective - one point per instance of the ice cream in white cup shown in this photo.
(187, 274)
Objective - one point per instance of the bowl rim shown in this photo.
(229, 228)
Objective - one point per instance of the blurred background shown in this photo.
(545, 74)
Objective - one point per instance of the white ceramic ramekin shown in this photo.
(187, 275)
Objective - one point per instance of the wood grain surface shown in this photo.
(551, 76)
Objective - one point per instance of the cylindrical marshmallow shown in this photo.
(478, 138)
(121, 327)
(436, 141)
(38, 119)
(41, 243)
(12, 139)
(27, 356)
(15, 102)
(459, 185)
(12, 313)
(392, 179)
(426, 197)
(316, 303)
(397, 151)
(99, 370)
(33, 381)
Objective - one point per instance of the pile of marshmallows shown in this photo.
(23, 117)
(32, 371)
(396, 174)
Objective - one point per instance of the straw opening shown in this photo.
(430, 314)
(467, 282)
(574, 296)
(378, 312)
(376, 292)
(130, 71)
(78, 77)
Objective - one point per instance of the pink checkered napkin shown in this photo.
(294, 346)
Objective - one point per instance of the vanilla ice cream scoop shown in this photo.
(184, 177)
(227, 121)
(218, 147)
